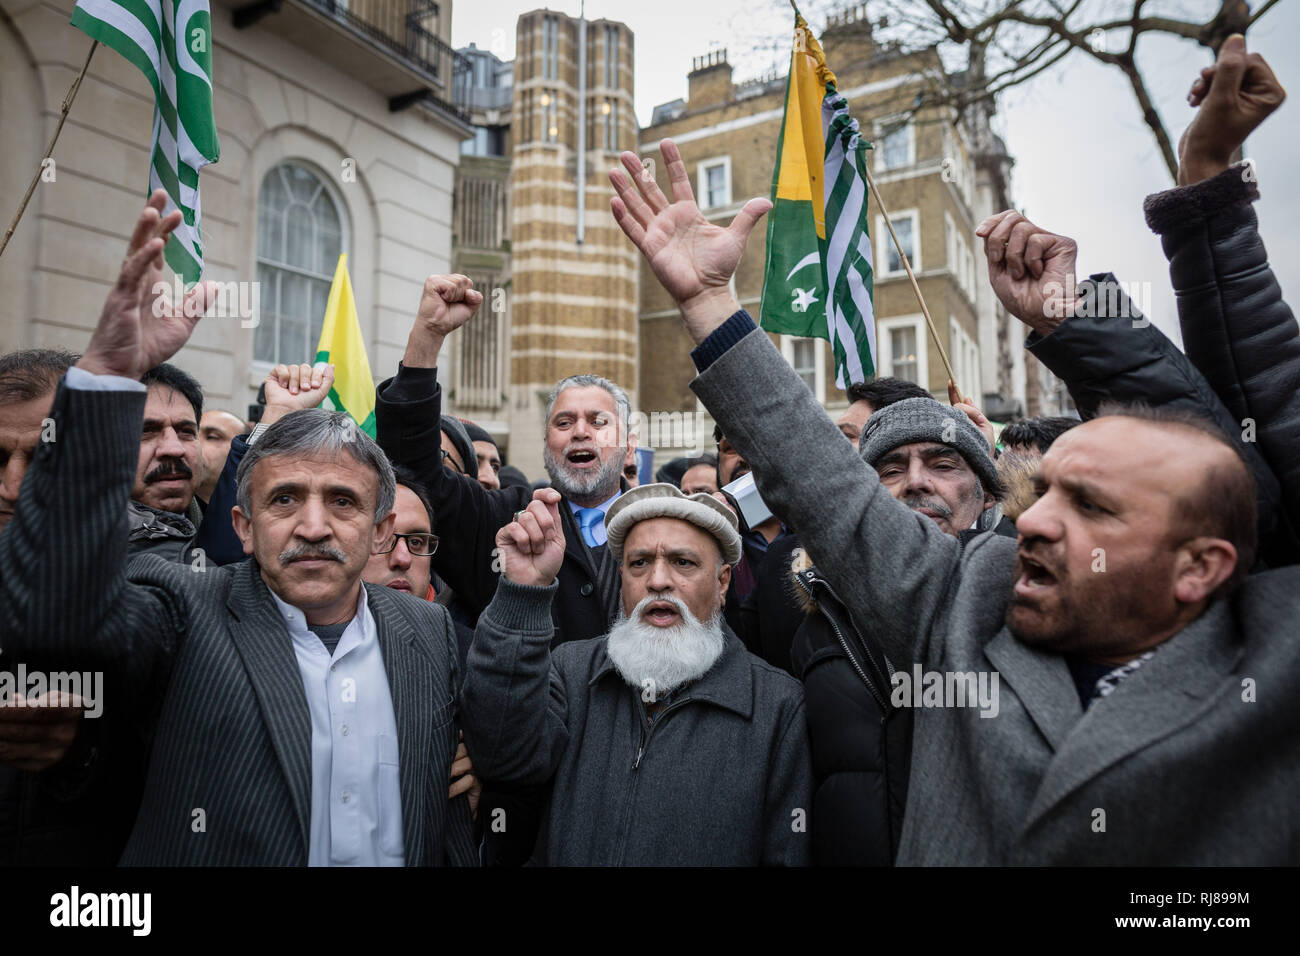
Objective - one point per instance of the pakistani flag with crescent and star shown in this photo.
(817, 236)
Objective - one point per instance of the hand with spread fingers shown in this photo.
(1233, 97)
(138, 329)
(531, 547)
(693, 258)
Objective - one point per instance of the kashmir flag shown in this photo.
(170, 42)
(341, 344)
(818, 279)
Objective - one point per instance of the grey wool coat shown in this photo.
(722, 777)
(1193, 759)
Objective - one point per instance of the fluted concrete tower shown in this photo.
(574, 298)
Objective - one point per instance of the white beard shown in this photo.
(658, 660)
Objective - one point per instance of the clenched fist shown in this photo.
(445, 305)
(531, 548)
(1233, 97)
(1031, 270)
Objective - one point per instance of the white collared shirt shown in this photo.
(356, 797)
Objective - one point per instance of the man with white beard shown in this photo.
(664, 743)
(586, 443)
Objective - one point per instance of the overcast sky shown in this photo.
(1084, 158)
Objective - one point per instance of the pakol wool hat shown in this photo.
(663, 500)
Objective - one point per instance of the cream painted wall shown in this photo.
(274, 102)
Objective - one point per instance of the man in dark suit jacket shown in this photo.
(302, 717)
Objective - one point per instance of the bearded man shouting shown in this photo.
(665, 742)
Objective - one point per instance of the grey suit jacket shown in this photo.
(229, 779)
(1194, 758)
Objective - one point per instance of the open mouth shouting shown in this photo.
(1033, 579)
(582, 459)
(662, 614)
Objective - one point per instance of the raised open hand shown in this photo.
(1031, 270)
(138, 327)
(531, 548)
(1233, 97)
(692, 258)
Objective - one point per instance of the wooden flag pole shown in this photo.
(63, 116)
(908, 266)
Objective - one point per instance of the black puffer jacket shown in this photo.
(861, 744)
(1236, 327)
(1114, 353)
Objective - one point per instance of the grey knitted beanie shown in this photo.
(926, 420)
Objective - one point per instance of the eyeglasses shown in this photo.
(420, 545)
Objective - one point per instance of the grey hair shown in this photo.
(621, 402)
(309, 431)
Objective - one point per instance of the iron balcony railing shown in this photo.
(403, 26)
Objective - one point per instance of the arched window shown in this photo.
(299, 239)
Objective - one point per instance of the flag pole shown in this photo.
(67, 105)
(908, 266)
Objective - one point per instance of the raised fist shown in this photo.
(446, 304)
(1031, 270)
(531, 548)
(1233, 97)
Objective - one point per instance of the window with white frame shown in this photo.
(300, 235)
(895, 143)
(714, 187)
(964, 354)
(808, 359)
(960, 261)
(907, 225)
(900, 342)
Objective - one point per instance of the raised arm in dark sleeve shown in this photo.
(513, 707)
(1237, 329)
(64, 597)
(216, 534)
(408, 412)
(1109, 351)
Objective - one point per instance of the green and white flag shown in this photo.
(818, 279)
(170, 42)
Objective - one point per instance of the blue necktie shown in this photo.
(588, 518)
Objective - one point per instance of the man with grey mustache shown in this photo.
(664, 743)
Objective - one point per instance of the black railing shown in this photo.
(403, 26)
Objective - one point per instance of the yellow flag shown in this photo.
(341, 344)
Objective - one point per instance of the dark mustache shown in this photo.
(169, 469)
(917, 502)
(312, 551)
